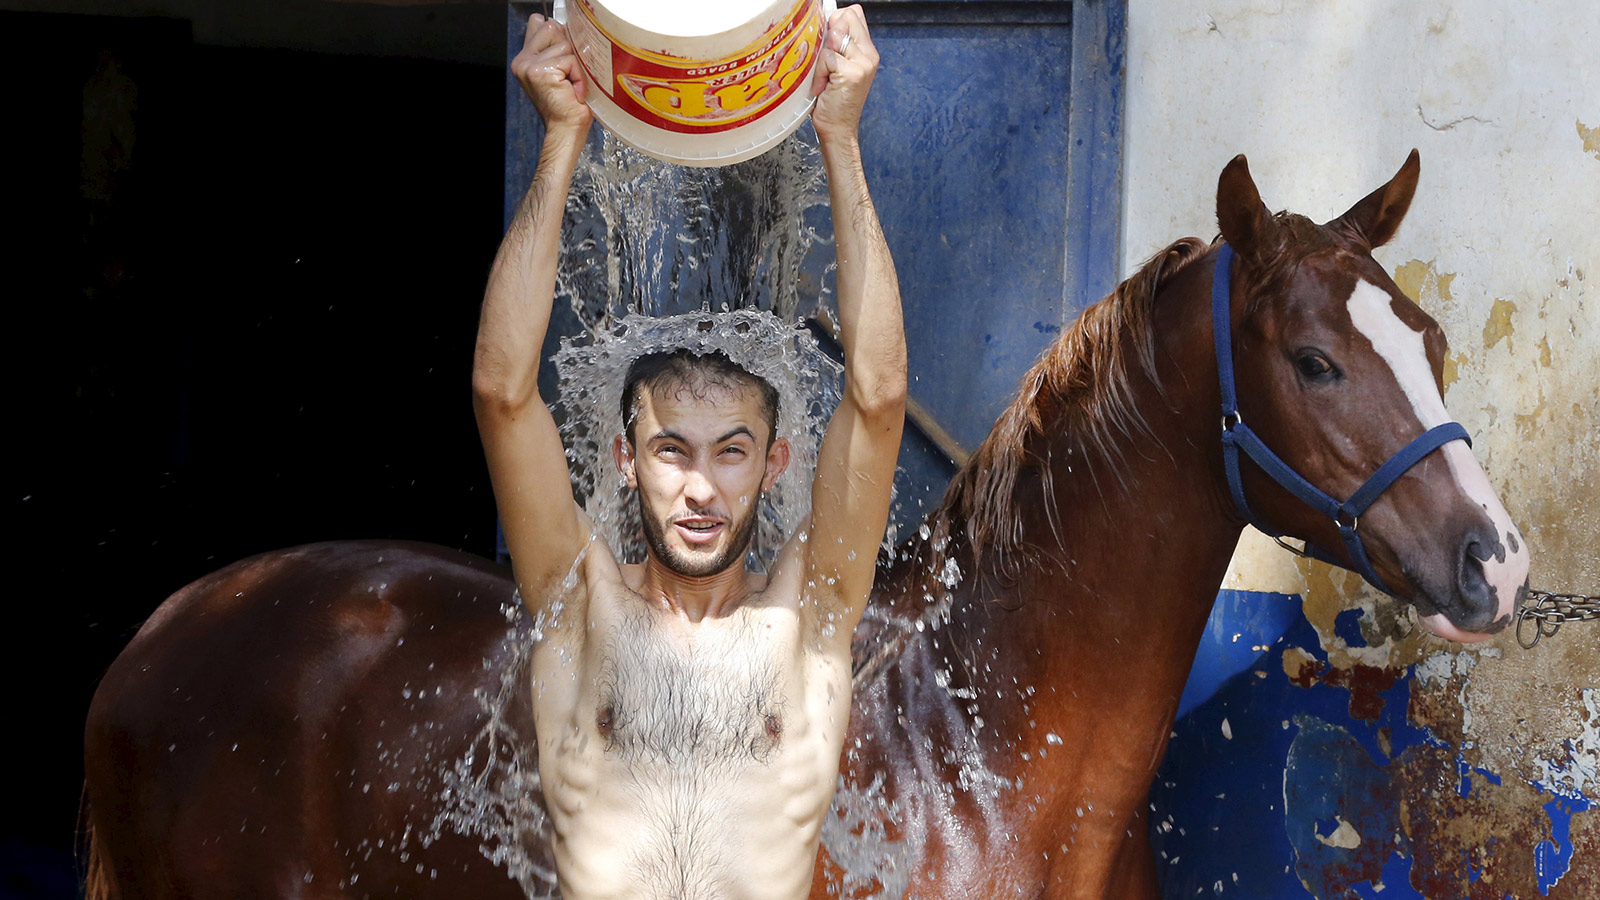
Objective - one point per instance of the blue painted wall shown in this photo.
(1264, 768)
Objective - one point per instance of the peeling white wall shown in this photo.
(1502, 246)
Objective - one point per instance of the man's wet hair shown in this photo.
(693, 374)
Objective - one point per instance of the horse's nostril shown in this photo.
(1471, 580)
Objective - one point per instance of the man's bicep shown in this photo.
(850, 499)
(533, 495)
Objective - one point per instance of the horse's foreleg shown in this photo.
(1133, 874)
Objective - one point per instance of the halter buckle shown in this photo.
(1231, 420)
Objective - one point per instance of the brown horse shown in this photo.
(349, 720)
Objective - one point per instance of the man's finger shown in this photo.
(819, 71)
(855, 22)
(574, 72)
(545, 33)
(534, 38)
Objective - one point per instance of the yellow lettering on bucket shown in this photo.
(715, 95)
(683, 98)
(793, 64)
(735, 97)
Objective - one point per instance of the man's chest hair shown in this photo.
(714, 694)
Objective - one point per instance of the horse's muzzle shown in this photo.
(1488, 578)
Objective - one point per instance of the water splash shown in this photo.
(859, 833)
(591, 370)
(491, 791)
(644, 236)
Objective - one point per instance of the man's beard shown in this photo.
(656, 539)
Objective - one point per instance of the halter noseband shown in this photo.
(1236, 436)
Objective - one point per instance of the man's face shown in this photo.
(700, 465)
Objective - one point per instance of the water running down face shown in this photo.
(700, 453)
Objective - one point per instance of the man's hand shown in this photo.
(844, 71)
(551, 76)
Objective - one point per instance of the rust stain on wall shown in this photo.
(1528, 421)
(1452, 835)
(1591, 139)
(1499, 325)
(1424, 283)
(1388, 627)
(1452, 367)
(1300, 667)
(1366, 685)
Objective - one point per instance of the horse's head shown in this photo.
(1338, 372)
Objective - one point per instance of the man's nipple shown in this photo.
(604, 721)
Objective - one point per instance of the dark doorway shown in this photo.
(244, 287)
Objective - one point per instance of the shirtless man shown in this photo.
(691, 713)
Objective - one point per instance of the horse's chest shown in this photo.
(716, 695)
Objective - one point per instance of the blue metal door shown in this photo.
(992, 143)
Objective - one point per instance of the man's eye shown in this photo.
(733, 451)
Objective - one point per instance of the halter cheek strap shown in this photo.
(1237, 436)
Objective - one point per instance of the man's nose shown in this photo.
(698, 488)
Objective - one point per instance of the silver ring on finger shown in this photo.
(844, 44)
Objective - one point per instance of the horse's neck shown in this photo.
(1111, 585)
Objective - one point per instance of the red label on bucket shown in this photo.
(709, 96)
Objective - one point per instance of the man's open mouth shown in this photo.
(698, 531)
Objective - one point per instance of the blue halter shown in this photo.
(1236, 436)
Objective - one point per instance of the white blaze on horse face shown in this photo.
(1401, 346)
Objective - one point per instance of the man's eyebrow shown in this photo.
(667, 434)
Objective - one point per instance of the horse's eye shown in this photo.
(1314, 366)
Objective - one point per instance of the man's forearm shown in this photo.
(518, 300)
(872, 330)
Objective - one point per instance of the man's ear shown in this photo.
(622, 452)
(777, 461)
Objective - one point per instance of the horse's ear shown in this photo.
(1377, 217)
(1244, 220)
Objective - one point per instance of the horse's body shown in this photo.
(281, 728)
(1016, 676)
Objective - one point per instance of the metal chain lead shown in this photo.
(1551, 611)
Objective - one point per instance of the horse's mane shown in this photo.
(1080, 387)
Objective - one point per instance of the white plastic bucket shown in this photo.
(703, 83)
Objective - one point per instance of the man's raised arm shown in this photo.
(856, 464)
(527, 463)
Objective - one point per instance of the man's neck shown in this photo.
(694, 598)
